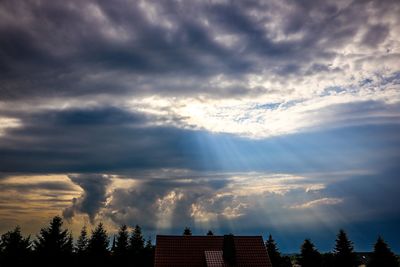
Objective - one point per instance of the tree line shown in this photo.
(54, 246)
(343, 254)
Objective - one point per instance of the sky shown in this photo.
(245, 117)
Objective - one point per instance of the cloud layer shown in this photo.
(259, 69)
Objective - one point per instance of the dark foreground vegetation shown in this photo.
(343, 255)
(54, 246)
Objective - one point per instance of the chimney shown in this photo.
(229, 252)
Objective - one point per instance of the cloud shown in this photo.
(7, 123)
(375, 35)
(197, 61)
(111, 140)
(93, 197)
(318, 202)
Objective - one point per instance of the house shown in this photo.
(210, 251)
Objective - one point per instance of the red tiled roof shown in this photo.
(215, 258)
(175, 251)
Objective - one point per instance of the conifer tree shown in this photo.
(382, 255)
(15, 249)
(209, 233)
(344, 255)
(187, 231)
(54, 244)
(273, 251)
(136, 240)
(97, 252)
(98, 242)
(309, 255)
(148, 253)
(82, 242)
(122, 242)
(81, 248)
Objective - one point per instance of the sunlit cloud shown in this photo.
(30, 200)
(7, 123)
(318, 202)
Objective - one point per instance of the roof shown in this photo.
(207, 251)
(215, 258)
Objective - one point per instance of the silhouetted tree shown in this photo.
(14, 248)
(210, 232)
(136, 245)
(309, 255)
(98, 246)
(121, 244)
(148, 253)
(136, 240)
(54, 245)
(344, 255)
(122, 241)
(82, 242)
(187, 231)
(273, 251)
(382, 255)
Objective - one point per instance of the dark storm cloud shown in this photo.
(93, 197)
(98, 140)
(94, 140)
(58, 48)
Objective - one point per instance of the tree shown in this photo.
(382, 255)
(136, 241)
(81, 248)
(273, 251)
(136, 246)
(148, 254)
(122, 241)
(309, 255)
(53, 244)
(209, 233)
(98, 245)
(83, 241)
(187, 231)
(14, 248)
(344, 255)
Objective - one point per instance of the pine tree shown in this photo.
(136, 240)
(148, 254)
(148, 245)
(98, 245)
(122, 241)
(14, 248)
(309, 255)
(54, 244)
(187, 231)
(209, 233)
(83, 241)
(273, 252)
(382, 255)
(344, 255)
